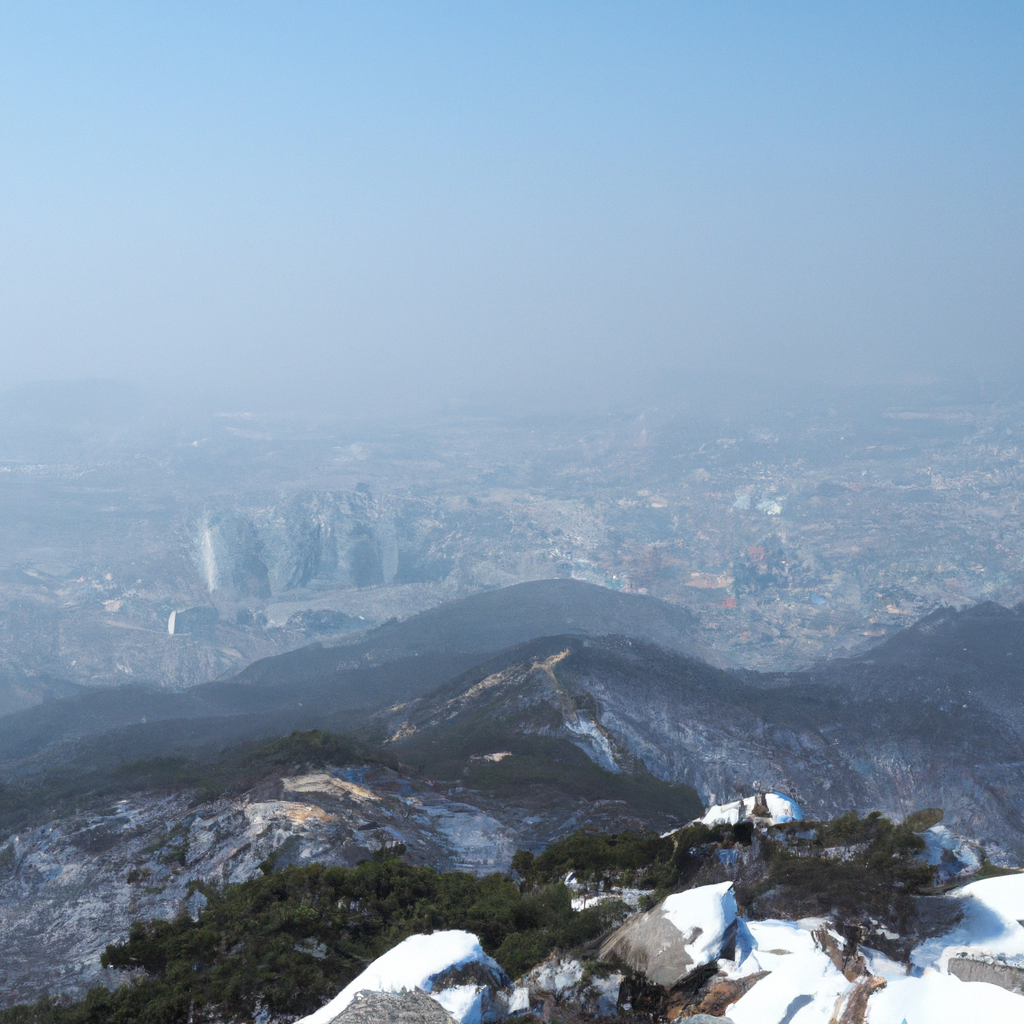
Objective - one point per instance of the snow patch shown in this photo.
(706, 912)
(780, 809)
(421, 961)
(803, 985)
(936, 998)
(991, 926)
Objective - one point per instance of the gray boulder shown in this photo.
(683, 933)
(414, 1007)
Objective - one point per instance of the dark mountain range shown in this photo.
(885, 733)
(20, 690)
(933, 717)
(495, 620)
(464, 755)
(986, 636)
(977, 653)
(340, 686)
(126, 722)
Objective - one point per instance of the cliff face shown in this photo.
(74, 884)
(866, 735)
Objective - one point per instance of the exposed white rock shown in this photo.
(558, 982)
(953, 855)
(591, 898)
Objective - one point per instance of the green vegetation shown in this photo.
(853, 870)
(641, 860)
(293, 938)
(921, 821)
(256, 941)
(990, 870)
(542, 770)
(208, 774)
(176, 853)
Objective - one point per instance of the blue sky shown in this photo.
(404, 207)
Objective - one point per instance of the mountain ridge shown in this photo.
(355, 678)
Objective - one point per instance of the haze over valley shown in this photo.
(511, 513)
(792, 535)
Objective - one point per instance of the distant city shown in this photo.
(173, 557)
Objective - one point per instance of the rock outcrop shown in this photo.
(989, 970)
(682, 934)
(564, 982)
(414, 1007)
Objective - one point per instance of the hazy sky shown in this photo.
(389, 206)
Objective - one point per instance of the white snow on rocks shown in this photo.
(704, 915)
(937, 998)
(991, 925)
(451, 967)
(591, 898)
(683, 932)
(803, 986)
(953, 855)
(780, 809)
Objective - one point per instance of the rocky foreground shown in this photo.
(693, 958)
(750, 914)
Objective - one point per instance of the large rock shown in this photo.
(989, 970)
(684, 932)
(449, 966)
(414, 1007)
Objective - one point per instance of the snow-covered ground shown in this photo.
(802, 984)
(805, 987)
(935, 997)
(991, 926)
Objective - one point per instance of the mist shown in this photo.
(419, 209)
(484, 485)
